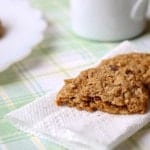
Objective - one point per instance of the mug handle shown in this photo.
(139, 10)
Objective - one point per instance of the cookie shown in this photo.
(119, 85)
(1, 30)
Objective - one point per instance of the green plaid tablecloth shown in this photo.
(59, 56)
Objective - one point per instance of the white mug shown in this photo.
(108, 20)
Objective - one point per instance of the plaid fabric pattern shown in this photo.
(61, 55)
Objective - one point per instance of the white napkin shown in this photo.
(78, 130)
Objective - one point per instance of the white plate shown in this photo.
(24, 26)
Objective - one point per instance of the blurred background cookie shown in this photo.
(1, 29)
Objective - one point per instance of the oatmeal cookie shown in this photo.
(1, 30)
(119, 85)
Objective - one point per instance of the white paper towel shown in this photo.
(78, 130)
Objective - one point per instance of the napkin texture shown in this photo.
(78, 130)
